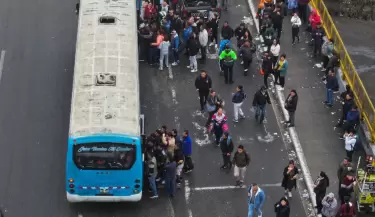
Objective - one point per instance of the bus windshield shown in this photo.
(198, 3)
(104, 156)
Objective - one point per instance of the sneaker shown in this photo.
(163, 182)
(174, 64)
(242, 116)
(241, 62)
(215, 46)
(161, 69)
(235, 121)
(188, 171)
(290, 194)
(188, 67)
(154, 197)
(211, 44)
(323, 70)
(194, 70)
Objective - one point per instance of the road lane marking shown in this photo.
(187, 197)
(2, 58)
(232, 187)
(170, 73)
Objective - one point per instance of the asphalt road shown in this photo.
(39, 41)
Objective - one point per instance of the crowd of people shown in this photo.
(165, 34)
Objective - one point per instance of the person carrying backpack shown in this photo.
(241, 160)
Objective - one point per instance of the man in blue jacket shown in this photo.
(175, 44)
(331, 86)
(187, 149)
(256, 198)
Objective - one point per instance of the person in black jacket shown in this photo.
(267, 68)
(318, 35)
(277, 20)
(193, 49)
(261, 98)
(203, 84)
(282, 208)
(239, 32)
(226, 146)
(246, 52)
(227, 31)
(320, 187)
(347, 105)
(212, 27)
(179, 158)
(289, 178)
(291, 106)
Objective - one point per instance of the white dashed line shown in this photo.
(2, 58)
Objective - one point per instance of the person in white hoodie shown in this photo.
(296, 23)
(350, 141)
(203, 41)
(275, 50)
(164, 52)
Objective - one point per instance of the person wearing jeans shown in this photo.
(193, 49)
(291, 106)
(331, 86)
(237, 100)
(255, 200)
(170, 176)
(203, 85)
(175, 44)
(240, 161)
(152, 173)
(281, 70)
(261, 98)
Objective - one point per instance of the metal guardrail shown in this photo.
(350, 75)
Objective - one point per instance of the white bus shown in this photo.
(104, 158)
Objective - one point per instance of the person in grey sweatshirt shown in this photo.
(164, 52)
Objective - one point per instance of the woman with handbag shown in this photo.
(213, 103)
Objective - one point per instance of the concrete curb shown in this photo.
(292, 131)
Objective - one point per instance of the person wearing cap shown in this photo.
(226, 146)
(290, 178)
(241, 160)
(239, 32)
(237, 100)
(255, 200)
(228, 56)
(291, 106)
(261, 98)
(175, 45)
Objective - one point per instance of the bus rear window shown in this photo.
(104, 156)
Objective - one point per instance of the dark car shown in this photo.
(198, 8)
